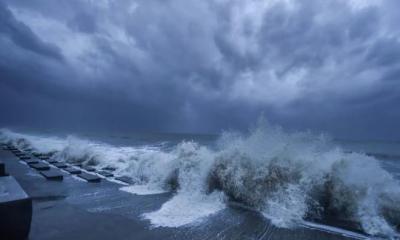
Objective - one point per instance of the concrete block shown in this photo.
(15, 210)
(31, 161)
(106, 174)
(111, 169)
(2, 169)
(89, 177)
(51, 161)
(60, 165)
(72, 170)
(125, 179)
(52, 174)
(40, 166)
(89, 169)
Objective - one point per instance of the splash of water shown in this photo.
(287, 177)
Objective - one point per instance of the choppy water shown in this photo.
(288, 177)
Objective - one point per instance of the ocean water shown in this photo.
(291, 178)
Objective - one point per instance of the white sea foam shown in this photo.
(29, 141)
(186, 208)
(143, 189)
(287, 177)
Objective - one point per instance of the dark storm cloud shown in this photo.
(203, 66)
(23, 36)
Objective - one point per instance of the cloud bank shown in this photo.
(201, 66)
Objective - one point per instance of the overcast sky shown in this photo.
(201, 66)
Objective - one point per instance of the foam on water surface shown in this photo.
(184, 209)
(143, 190)
(334, 230)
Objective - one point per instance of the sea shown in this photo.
(291, 178)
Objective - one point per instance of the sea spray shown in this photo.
(288, 177)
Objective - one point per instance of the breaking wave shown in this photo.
(288, 177)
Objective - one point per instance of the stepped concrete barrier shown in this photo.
(15, 210)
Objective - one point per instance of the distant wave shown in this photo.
(384, 156)
(286, 177)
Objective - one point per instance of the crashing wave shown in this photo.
(287, 177)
